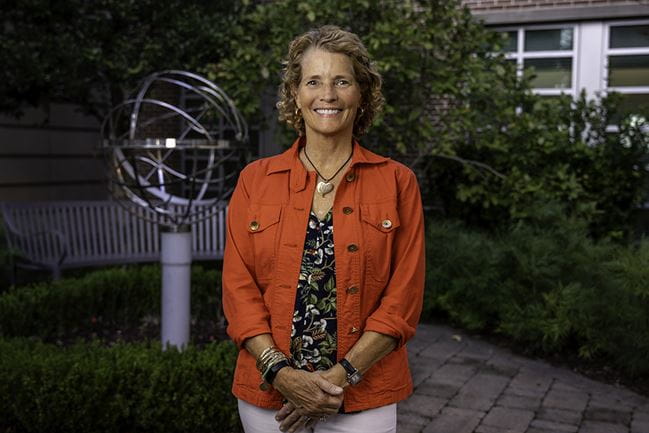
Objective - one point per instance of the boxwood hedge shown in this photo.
(103, 387)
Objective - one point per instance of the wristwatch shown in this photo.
(353, 375)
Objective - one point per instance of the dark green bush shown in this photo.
(550, 150)
(546, 285)
(116, 296)
(90, 387)
(614, 316)
(125, 388)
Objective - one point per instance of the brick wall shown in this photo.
(514, 5)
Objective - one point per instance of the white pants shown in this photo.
(380, 420)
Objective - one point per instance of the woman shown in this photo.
(322, 323)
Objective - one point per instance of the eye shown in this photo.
(311, 83)
(342, 82)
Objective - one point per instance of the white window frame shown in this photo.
(622, 51)
(606, 52)
(589, 59)
(520, 55)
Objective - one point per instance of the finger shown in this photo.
(311, 422)
(284, 411)
(328, 387)
(326, 411)
(289, 421)
(299, 424)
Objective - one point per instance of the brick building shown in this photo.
(596, 45)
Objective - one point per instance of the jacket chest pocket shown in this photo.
(263, 227)
(380, 224)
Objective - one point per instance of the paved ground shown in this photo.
(464, 385)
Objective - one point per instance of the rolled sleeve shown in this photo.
(243, 303)
(400, 307)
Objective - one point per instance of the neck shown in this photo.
(325, 151)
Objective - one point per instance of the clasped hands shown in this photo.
(310, 396)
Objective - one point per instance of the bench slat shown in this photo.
(98, 232)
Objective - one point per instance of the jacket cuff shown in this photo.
(241, 333)
(391, 325)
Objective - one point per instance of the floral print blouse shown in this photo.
(313, 334)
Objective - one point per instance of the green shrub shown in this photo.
(549, 151)
(461, 273)
(125, 388)
(613, 317)
(544, 284)
(115, 297)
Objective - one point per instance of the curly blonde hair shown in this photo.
(334, 40)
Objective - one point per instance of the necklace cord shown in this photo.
(337, 171)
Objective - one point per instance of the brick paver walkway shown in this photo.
(464, 385)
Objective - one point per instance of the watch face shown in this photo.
(354, 378)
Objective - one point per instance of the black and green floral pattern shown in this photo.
(313, 335)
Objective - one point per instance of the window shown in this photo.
(627, 65)
(597, 56)
(548, 53)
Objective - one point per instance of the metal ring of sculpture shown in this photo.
(179, 175)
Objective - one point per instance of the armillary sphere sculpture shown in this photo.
(175, 148)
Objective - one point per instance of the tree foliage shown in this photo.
(429, 53)
(486, 148)
(558, 151)
(94, 53)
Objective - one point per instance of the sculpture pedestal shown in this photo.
(176, 260)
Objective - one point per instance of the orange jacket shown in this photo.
(379, 250)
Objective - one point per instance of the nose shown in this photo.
(328, 93)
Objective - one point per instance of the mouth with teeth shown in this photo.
(327, 111)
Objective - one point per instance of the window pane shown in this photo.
(637, 104)
(551, 73)
(628, 71)
(548, 40)
(511, 41)
(629, 36)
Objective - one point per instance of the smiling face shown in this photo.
(328, 94)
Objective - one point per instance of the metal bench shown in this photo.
(59, 235)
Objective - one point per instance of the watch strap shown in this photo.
(353, 375)
(269, 375)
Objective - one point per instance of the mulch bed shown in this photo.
(202, 332)
(207, 331)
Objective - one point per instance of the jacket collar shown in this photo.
(290, 161)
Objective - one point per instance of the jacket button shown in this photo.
(354, 330)
(352, 290)
(254, 226)
(347, 210)
(350, 177)
(352, 248)
(386, 224)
